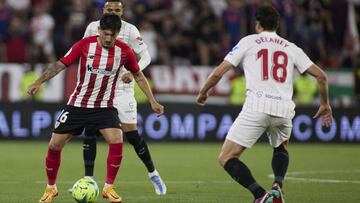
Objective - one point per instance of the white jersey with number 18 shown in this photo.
(268, 61)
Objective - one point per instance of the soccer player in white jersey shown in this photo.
(268, 61)
(124, 100)
(101, 59)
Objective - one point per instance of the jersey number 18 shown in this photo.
(278, 68)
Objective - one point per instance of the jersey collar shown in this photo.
(269, 33)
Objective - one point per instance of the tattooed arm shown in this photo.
(49, 73)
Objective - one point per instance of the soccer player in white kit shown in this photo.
(268, 61)
(125, 101)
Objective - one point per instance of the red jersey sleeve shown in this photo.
(131, 63)
(73, 54)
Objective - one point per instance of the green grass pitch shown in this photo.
(317, 173)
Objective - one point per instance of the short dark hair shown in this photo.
(110, 22)
(268, 17)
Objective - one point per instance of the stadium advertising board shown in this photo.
(181, 122)
(170, 84)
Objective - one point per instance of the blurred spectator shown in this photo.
(305, 89)
(167, 32)
(16, 41)
(339, 23)
(182, 31)
(29, 78)
(20, 6)
(5, 18)
(77, 22)
(234, 20)
(315, 15)
(149, 36)
(207, 29)
(42, 25)
(153, 10)
(60, 12)
(184, 13)
(238, 88)
(218, 7)
(351, 48)
(288, 11)
(357, 80)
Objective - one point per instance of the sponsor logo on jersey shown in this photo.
(269, 96)
(99, 71)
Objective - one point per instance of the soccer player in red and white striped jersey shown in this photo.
(98, 71)
(124, 101)
(100, 60)
(268, 61)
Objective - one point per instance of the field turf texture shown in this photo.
(318, 173)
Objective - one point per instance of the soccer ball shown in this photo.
(85, 190)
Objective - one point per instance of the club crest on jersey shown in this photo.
(259, 93)
(57, 123)
(99, 71)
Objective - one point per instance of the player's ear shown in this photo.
(258, 27)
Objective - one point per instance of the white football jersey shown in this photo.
(268, 61)
(128, 34)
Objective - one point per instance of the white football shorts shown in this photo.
(127, 108)
(249, 126)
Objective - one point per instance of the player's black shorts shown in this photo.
(75, 119)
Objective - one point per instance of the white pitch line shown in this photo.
(315, 180)
(290, 175)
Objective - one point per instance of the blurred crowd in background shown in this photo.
(177, 32)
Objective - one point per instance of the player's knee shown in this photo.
(221, 161)
(114, 138)
(126, 127)
(56, 146)
(227, 155)
(223, 158)
(280, 149)
(133, 138)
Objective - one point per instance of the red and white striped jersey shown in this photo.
(98, 71)
(131, 36)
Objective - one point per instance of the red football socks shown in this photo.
(113, 162)
(53, 160)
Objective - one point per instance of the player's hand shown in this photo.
(158, 108)
(201, 99)
(127, 78)
(33, 88)
(325, 113)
